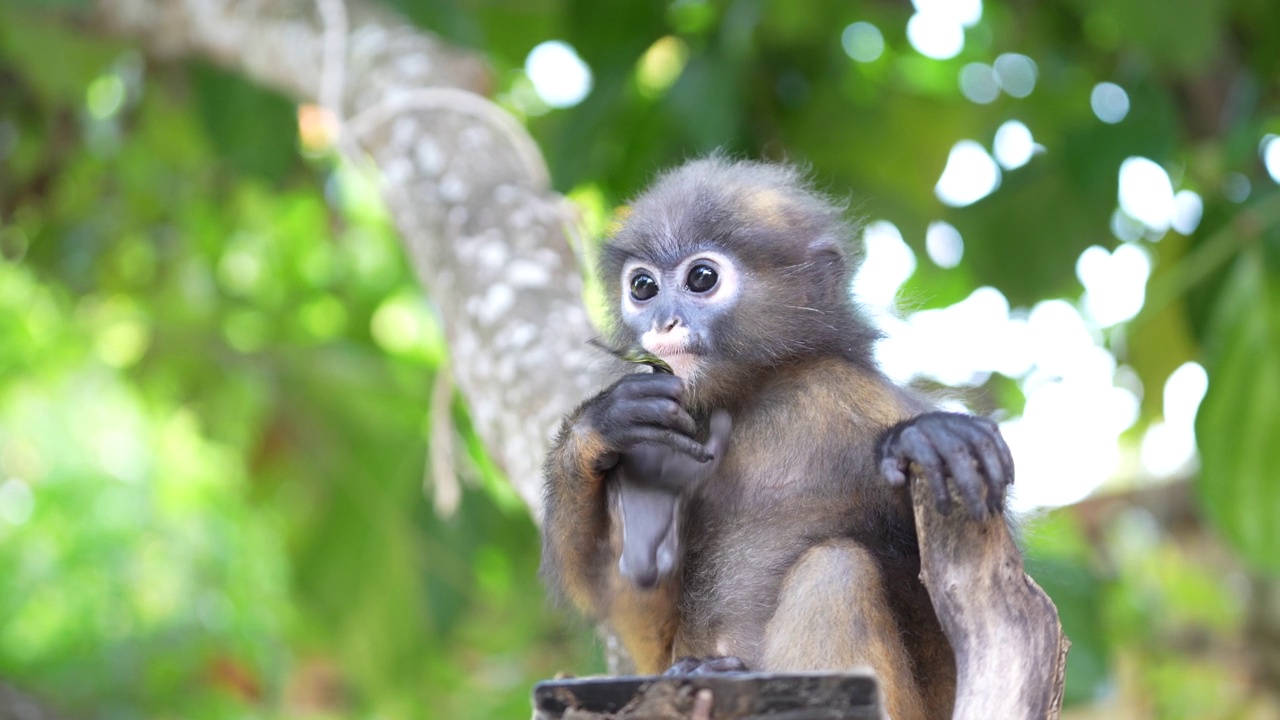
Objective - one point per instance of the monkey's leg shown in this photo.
(834, 614)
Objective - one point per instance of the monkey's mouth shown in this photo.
(683, 364)
(682, 359)
(680, 352)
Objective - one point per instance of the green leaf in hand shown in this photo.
(636, 355)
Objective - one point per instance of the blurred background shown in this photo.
(216, 366)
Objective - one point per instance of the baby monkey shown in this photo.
(751, 509)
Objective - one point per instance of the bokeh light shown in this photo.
(1109, 102)
(1146, 193)
(935, 35)
(910, 348)
(887, 263)
(1016, 74)
(559, 76)
(862, 41)
(105, 96)
(1270, 151)
(1114, 282)
(1188, 208)
(978, 83)
(944, 244)
(17, 502)
(1013, 145)
(661, 65)
(969, 175)
(1236, 187)
(1169, 447)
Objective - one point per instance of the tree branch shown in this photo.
(465, 183)
(1010, 649)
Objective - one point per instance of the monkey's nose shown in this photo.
(670, 324)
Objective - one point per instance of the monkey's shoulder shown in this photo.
(830, 397)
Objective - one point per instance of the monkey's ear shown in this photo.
(830, 264)
(824, 252)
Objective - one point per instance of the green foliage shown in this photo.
(1241, 483)
(214, 372)
(252, 129)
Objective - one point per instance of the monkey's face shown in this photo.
(672, 309)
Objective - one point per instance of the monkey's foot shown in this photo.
(713, 665)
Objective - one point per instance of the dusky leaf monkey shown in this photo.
(779, 442)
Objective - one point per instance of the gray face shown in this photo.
(672, 310)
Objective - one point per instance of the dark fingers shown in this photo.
(915, 445)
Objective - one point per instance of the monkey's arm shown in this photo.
(575, 529)
(581, 531)
(966, 448)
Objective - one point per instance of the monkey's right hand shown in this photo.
(659, 466)
(644, 410)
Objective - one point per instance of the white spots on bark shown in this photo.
(492, 255)
(506, 370)
(496, 302)
(458, 215)
(527, 274)
(397, 171)
(453, 189)
(464, 349)
(505, 194)
(520, 218)
(414, 65)
(405, 131)
(369, 39)
(516, 338)
(550, 259)
(430, 158)
(475, 138)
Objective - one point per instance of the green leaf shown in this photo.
(253, 128)
(637, 355)
(1239, 421)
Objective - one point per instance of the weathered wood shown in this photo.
(731, 696)
(1010, 650)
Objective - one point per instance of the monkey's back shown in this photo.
(799, 470)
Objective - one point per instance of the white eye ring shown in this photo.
(727, 280)
(632, 269)
(725, 290)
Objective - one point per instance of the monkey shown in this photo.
(792, 543)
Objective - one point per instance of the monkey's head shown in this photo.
(728, 269)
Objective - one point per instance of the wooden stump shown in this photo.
(733, 696)
(1011, 654)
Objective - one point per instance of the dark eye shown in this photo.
(643, 286)
(702, 278)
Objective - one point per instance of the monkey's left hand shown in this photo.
(966, 448)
